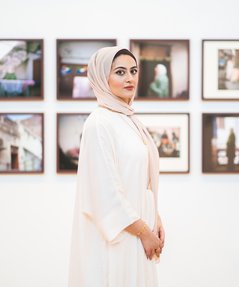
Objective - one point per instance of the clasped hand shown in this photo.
(153, 242)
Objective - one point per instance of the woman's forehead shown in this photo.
(124, 61)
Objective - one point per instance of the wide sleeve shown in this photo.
(103, 197)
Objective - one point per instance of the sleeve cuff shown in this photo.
(112, 225)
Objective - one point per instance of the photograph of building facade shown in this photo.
(21, 143)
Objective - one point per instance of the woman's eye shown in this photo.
(120, 72)
(134, 71)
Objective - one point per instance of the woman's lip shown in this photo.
(129, 87)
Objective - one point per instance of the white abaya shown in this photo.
(111, 194)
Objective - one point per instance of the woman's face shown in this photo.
(123, 78)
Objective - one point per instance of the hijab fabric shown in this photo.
(98, 73)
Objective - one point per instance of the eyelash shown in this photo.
(121, 72)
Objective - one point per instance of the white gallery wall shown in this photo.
(200, 211)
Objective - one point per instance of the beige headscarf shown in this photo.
(98, 73)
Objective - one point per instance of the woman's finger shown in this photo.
(158, 251)
(161, 234)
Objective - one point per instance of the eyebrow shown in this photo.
(125, 68)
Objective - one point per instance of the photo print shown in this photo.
(69, 132)
(220, 70)
(170, 133)
(164, 69)
(228, 69)
(21, 143)
(221, 143)
(72, 60)
(21, 69)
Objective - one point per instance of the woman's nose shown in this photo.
(129, 77)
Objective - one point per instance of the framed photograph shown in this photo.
(21, 143)
(164, 69)
(72, 60)
(220, 70)
(170, 132)
(220, 143)
(21, 69)
(69, 132)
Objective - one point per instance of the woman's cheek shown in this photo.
(118, 82)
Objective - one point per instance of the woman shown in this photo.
(160, 86)
(117, 232)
